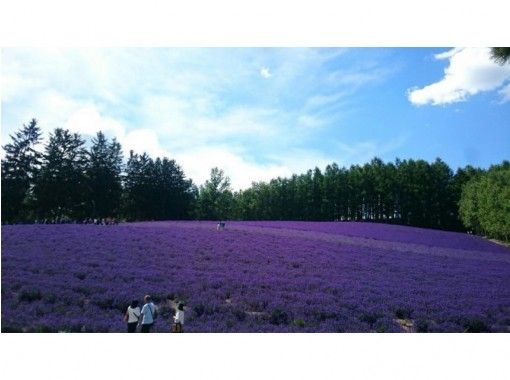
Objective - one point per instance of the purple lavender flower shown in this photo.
(254, 277)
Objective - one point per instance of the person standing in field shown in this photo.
(132, 316)
(179, 318)
(148, 314)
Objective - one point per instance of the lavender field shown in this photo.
(254, 277)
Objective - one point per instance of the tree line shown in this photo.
(65, 179)
(485, 203)
(409, 192)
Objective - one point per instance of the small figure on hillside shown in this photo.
(149, 313)
(220, 226)
(178, 318)
(132, 316)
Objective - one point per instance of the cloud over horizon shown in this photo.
(258, 113)
(203, 107)
(469, 72)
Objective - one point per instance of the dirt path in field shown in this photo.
(337, 238)
(499, 242)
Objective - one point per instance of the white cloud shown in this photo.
(505, 93)
(321, 100)
(203, 107)
(447, 54)
(196, 160)
(185, 122)
(310, 121)
(470, 71)
(265, 73)
(144, 140)
(364, 151)
(88, 121)
(241, 171)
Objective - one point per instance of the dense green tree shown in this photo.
(173, 192)
(19, 168)
(60, 187)
(215, 197)
(485, 202)
(156, 189)
(441, 204)
(469, 207)
(138, 187)
(460, 179)
(316, 205)
(331, 204)
(103, 172)
(501, 55)
(412, 192)
(67, 181)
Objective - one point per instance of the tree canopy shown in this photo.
(215, 197)
(484, 206)
(60, 185)
(500, 55)
(19, 168)
(65, 179)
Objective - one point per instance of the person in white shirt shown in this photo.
(132, 316)
(179, 318)
(148, 314)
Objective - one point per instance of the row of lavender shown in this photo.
(388, 232)
(247, 278)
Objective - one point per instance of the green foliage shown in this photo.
(103, 177)
(485, 202)
(60, 187)
(412, 192)
(156, 189)
(215, 197)
(69, 181)
(19, 167)
(500, 55)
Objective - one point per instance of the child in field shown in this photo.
(132, 316)
(149, 313)
(179, 318)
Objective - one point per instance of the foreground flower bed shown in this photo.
(254, 277)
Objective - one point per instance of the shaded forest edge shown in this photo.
(66, 181)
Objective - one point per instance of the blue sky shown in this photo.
(263, 113)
